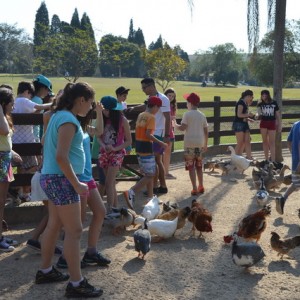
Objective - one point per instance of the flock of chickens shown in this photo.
(157, 225)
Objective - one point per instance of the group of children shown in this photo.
(65, 180)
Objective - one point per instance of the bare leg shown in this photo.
(97, 207)
(265, 142)
(3, 194)
(240, 142)
(71, 220)
(167, 157)
(161, 170)
(272, 136)
(200, 176)
(247, 143)
(110, 186)
(192, 174)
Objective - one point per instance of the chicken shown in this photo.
(284, 246)
(162, 228)
(142, 240)
(287, 179)
(167, 206)
(224, 166)
(240, 162)
(201, 218)
(181, 213)
(121, 218)
(262, 195)
(246, 254)
(151, 209)
(210, 165)
(252, 226)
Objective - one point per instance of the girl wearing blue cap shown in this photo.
(114, 136)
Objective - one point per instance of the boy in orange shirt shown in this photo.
(145, 126)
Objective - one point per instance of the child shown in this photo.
(293, 141)
(93, 199)
(114, 136)
(63, 162)
(6, 155)
(268, 113)
(170, 93)
(145, 127)
(195, 125)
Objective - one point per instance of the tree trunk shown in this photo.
(278, 66)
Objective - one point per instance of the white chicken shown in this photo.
(262, 195)
(240, 162)
(151, 209)
(162, 228)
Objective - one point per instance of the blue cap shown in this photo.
(44, 80)
(111, 103)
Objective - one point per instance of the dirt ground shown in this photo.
(182, 267)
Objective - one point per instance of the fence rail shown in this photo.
(290, 113)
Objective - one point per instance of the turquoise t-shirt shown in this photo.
(76, 153)
(87, 173)
(37, 129)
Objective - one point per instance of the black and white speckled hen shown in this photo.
(246, 254)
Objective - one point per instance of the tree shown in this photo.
(116, 53)
(226, 64)
(15, 44)
(157, 45)
(75, 23)
(277, 9)
(41, 25)
(55, 25)
(164, 65)
(131, 35)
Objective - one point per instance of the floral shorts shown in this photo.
(6, 172)
(111, 159)
(192, 158)
(58, 189)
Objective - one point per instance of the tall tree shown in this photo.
(139, 38)
(41, 25)
(131, 35)
(75, 22)
(55, 25)
(157, 45)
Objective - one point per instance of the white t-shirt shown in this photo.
(194, 134)
(23, 133)
(159, 116)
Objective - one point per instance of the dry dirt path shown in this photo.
(182, 267)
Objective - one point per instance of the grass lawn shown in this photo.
(107, 86)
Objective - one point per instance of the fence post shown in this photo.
(217, 115)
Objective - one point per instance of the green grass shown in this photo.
(107, 86)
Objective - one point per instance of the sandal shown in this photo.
(194, 192)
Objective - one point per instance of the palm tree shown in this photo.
(277, 9)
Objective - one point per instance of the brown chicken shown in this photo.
(201, 218)
(182, 214)
(284, 246)
(252, 226)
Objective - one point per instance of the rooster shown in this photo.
(201, 218)
(252, 226)
(284, 246)
(181, 213)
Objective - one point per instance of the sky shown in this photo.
(211, 23)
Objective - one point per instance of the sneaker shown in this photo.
(5, 247)
(25, 198)
(10, 241)
(200, 189)
(280, 205)
(62, 263)
(84, 290)
(53, 276)
(129, 198)
(160, 190)
(96, 258)
(34, 244)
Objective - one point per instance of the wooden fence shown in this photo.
(291, 113)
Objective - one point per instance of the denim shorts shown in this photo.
(147, 164)
(58, 189)
(240, 126)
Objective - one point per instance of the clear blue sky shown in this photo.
(213, 22)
